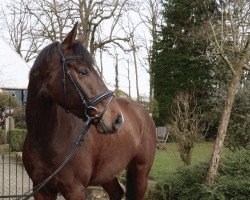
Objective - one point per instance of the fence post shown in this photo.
(9, 125)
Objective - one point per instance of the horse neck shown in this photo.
(40, 115)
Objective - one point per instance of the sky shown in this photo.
(109, 70)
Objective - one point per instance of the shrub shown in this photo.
(8, 101)
(16, 139)
(233, 181)
(185, 124)
(19, 116)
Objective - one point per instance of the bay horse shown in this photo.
(64, 89)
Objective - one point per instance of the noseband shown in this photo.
(90, 113)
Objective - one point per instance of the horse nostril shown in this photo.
(119, 120)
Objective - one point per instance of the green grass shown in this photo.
(167, 161)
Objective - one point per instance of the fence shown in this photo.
(14, 181)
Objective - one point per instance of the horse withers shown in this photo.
(65, 90)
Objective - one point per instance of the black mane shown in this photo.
(80, 50)
(42, 57)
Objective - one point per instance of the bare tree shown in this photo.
(134, 50)
(128, 77)
(103, 22)
(19, 26)
(52, 19)
(152, 20)
(100, 68)
(116, 64)
(56, 16)
(98, 14)
(230, 39)
(185, 124)
(133, 47)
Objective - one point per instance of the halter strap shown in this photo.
(85, 101)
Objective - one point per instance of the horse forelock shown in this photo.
(80, 50)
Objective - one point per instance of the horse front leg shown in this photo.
(114, 189)
(137, 182)
(75, 192)
(45, 195)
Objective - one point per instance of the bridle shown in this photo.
(90, 115)
(88, 104)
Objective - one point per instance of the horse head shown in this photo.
(71, 81)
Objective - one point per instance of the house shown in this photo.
(14, 72)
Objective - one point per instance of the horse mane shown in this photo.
(43, 56)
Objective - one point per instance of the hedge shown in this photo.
(233, 181)
(16, 139)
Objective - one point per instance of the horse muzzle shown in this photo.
(103, 128)
(117, 124)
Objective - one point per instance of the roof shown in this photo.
(14, 71)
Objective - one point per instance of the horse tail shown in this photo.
(130, 185)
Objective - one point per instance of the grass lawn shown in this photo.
(168, 160)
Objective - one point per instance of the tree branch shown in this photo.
(221, 52)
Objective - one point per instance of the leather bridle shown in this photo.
(88, 104)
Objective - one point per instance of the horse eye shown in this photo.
(69, 64)
(83, 72)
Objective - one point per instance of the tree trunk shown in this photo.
(136, 69)
(129, 81)
(116, 76)
(101, 64)
(150, 92)
(232, 91)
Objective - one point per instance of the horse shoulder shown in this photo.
(137, 119)
(135, 111)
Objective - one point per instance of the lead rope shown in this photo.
(69, 155)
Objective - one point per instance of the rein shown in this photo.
(90, 115)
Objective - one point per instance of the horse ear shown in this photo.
(83, 38)
(70, 39)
